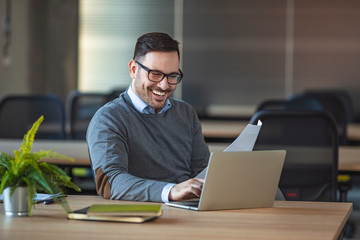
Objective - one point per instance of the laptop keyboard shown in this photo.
(190, 203)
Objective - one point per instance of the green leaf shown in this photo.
(39, 179)
(4, 181)
(64, 204)
(50, 154)
(30, 136)
(57, 175)
(5, 160)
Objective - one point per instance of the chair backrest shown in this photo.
(303, 103)
(19, 112)
(272, 104)
(311, 141)
(293, 103)
(339, 104)
(80, 108)
(343, 95)
(115, 94)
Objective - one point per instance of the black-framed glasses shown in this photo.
(157, 76)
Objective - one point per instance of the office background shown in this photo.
(235, 54)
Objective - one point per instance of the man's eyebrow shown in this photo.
(178, 72)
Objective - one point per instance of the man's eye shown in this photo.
(173, 76)
(157, 74)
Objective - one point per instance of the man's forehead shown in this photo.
(166, 61)
(160, 54)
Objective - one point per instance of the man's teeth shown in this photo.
(158, 93)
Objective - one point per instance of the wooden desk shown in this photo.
(286, 220)
(353, 131)
(75, 149)
(349, 159)
(232, 129)
(222, 129)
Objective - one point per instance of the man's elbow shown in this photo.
(103, 187)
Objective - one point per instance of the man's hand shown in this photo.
(186, 190)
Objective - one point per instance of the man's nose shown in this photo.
(163, 84)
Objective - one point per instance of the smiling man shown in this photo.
(145, 145)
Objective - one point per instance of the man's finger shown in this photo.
(200, 180)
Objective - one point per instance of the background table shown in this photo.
(286, 220)
(71, 148)
(231, 129)
(222, 129)
(349, 159)
(353, 132)
(349, 156)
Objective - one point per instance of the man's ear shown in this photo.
(132, 69)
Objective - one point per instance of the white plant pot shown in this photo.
(17, 203)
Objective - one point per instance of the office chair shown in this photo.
(19, 112)
(272, 104)
(80, 108)
(311, 141)
(336, 102)
(293, 103)
(341, 94)
(115, 94)
(339, 103)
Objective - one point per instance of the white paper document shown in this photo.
(244, 142)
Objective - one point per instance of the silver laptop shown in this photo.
(237, 180)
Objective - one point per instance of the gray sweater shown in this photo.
(134, 155)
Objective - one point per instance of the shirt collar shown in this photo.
(142, 107)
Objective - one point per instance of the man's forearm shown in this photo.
(125, 186)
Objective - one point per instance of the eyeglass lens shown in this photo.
(158, 76)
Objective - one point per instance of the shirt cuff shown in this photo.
(165, 192)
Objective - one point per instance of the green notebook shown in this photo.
(136, 215)
(125, 210)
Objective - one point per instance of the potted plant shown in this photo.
(23, 175)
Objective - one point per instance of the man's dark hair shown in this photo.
(155, 41)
